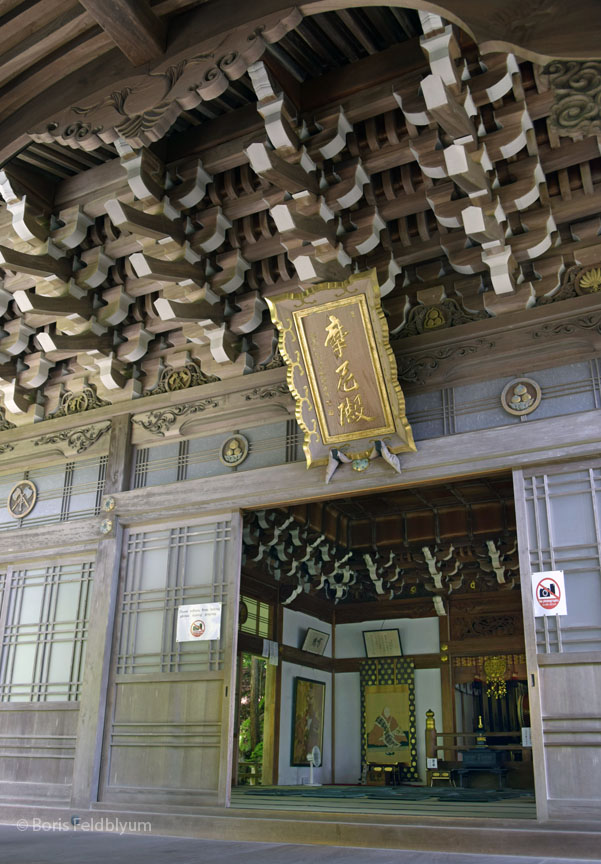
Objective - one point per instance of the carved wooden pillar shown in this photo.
(446, 682)
(90, 727)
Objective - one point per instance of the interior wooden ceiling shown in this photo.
(429, 542)
(459, 510)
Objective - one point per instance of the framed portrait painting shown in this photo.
(308, 705)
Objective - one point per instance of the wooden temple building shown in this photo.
(301, 328)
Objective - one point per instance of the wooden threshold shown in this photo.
(471, 836)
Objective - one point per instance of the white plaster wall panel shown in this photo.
(428, 694)
(295, 629)
(292, 775)
(347, 768)
(418, 636)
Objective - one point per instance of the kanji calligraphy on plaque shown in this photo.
(341, 368)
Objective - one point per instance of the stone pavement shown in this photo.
(66, 844)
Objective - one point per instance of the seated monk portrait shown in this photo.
(386, 731)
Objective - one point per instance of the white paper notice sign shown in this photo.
(549, 592)
(198, 623)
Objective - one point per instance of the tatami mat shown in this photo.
(513, 804)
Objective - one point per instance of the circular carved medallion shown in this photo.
(76, 403)
(179, 379)
(234, 451)
(22, 499)
(434, 318)
(521, 396)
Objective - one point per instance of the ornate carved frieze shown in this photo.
(267, 392)
(484, 626)
(62, 444)
(78, 440)
(418, 368)
(590, 322)
(145, 107)
(161, 420)
(486, 350)
(576, 87)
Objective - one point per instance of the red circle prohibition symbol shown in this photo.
(197, 628)
(548, 593)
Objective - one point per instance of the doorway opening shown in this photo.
(391, 631)
(251, 719)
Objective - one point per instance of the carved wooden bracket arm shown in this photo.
(143, 107)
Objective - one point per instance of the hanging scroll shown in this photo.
(388, 735)
(341, 369)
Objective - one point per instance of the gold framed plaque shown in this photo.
(341, 368)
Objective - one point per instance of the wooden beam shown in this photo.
(376, 69)
(409, 607)
(133, 27)
(353, 664)
(289, 654)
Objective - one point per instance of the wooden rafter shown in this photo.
(132, 25)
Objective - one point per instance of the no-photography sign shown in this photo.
(198, 623)
(549, 593)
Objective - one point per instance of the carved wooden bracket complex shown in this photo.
(300, 560)
(145, 108)
(149, 271)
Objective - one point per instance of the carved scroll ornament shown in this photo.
(159, 421)
(576, 89)
(76, 440)
(144, 108)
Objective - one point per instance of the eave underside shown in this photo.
(135, 268)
